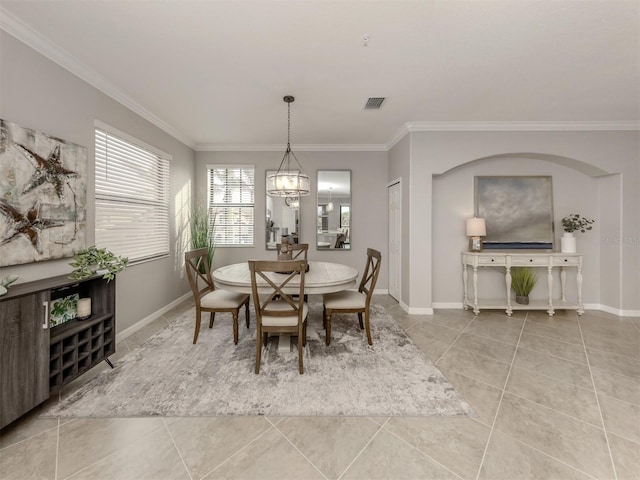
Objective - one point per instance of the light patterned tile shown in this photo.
(612, 328)
(434, 332)
(581, 446)
(483, 398)
(388, 457)
(502, 352)
(457, 443)
(626, 457)
(617, 364)
(151, 457)
(554, 367)
(553, 332)
(509, 459)
(433, 349)
(89, 440)
(474, 366)
(25, 427)
(617, 386)
(269, 457)
(619, 346)
(481, 328)
(33, 458)
(330, 443)
(621, 418)
(569, 399)
(205, 443)
(570, 351)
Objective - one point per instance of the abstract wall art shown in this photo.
(518, 211)
(43, 190)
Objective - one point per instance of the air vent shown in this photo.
(374, 103)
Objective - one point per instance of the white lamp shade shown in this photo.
(288, 183)
(476, 227)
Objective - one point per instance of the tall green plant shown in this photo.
(202, 230)
(522, 281)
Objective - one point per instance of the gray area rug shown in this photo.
(169, 376)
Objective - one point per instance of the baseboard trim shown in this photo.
(448, 305)
(416, 310)
(612, 310)
(381, 291)
(150, 318)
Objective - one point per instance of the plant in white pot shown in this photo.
(570, 224)
(92, 259)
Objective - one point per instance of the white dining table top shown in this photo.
(322, 277)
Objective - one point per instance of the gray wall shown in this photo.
(369, 215)
(37, 93)
(591, 153)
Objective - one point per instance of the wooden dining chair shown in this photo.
(348, 301)
(279, 312)
(299, 250)
(207, 298)
(340, 238)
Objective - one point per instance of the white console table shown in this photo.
(508, 259)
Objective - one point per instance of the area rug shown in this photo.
(169, 376)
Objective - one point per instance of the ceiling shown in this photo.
(213, 73)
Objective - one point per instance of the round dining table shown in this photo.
(322, 277)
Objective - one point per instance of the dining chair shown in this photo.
(279, 312)
(340, 238)
(299, 250)
(349, 301)
(207, 298)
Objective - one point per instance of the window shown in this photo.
(231, 203)
(132, 196)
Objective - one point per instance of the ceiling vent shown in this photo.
(374, 103)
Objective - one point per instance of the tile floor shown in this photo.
(557, 398)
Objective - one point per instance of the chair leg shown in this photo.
(212, 317)
(360, 320)
(366, 322)
(258, 347)
(300, 339)
(235, 326)
(327, 326)
(195, 334)
(265, 339)
(246, 312)
(324, 316)
(304, 334)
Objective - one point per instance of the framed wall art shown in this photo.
(518, 211)
(43, 190)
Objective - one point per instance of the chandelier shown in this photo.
(286, 182)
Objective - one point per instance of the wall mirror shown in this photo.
(282, 218)
(333, 230)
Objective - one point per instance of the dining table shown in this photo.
(322, 277)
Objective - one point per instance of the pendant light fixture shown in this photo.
(286, 182)
(330, 204)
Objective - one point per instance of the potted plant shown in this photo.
(202, 227)
(522, 282)
(91, 260)
(570, 224)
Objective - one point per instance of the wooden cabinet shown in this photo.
(36, 360)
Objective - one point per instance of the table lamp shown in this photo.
(476, 229)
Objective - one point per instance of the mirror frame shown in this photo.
(269, 215)
(338, 208)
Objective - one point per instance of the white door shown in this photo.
(395, 238)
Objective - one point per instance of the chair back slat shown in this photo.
(299, 250)
(200, 282)
(370, 275)
(277, 282)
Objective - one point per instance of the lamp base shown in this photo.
(475, 244)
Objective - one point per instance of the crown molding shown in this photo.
(624, 125)
(222, 147)
(26, 34)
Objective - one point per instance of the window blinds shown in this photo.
(132, 199)
(231, 206)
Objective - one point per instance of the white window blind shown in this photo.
(231, 203)
(132, 198)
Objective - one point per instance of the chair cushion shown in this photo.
(223, 299)
(281, 305)
(344, 299)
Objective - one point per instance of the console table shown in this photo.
(509, 259)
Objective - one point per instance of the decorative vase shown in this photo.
(568, 243)
(522, 299)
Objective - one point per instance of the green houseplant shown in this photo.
(202, 228)
(92, 259)
(522, 282)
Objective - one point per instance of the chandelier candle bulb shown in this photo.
(84, 308)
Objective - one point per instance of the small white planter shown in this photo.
(568, 243)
